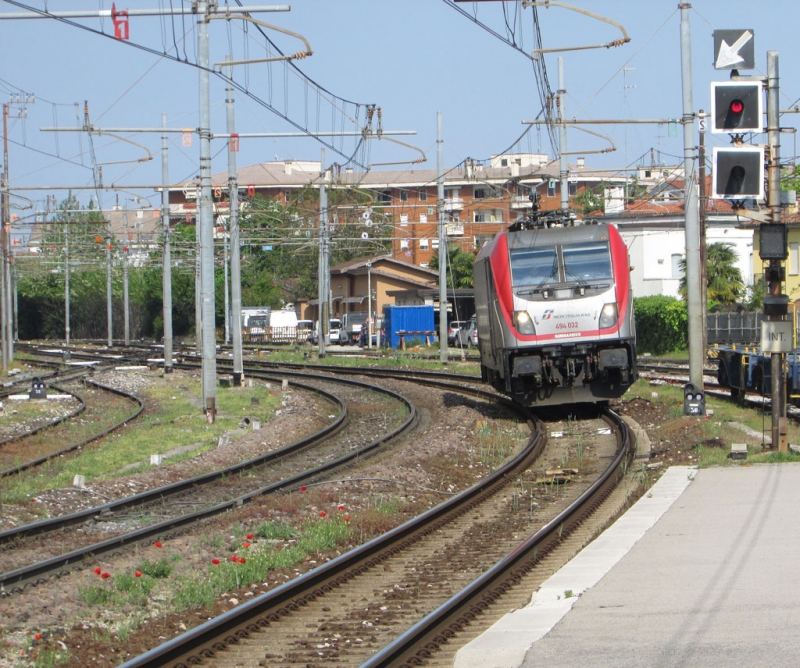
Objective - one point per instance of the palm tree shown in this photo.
(459, 267)
(724, 283)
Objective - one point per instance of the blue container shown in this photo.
(406, 319)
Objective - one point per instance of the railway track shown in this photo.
(46, 441)
(466, 535)
(396, 599)
(192, 500)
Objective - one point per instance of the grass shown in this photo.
(390, 359)
(171, 421)
(716, 432)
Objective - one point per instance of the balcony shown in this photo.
(454, 229)
(452, 204)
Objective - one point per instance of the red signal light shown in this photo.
(737, 106)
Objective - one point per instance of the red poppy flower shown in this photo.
(38, 636)
(157, 543)
(98, 570)
(303, 489)
(215, 561)
(250, 536)
(242, 560)
(234, 558)
(138, 574)
(340, 506)
(245, 544)
(346, 518)
(105, 576)
(322, 513)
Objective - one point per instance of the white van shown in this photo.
(282, 326)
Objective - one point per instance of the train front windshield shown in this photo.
(587, 262)
(546, 265)
(534, 266)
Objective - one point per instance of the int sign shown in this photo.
(776, 336)
(734, 50)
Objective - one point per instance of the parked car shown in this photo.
(452, 330)
(468, 334)
(334, 327)
(304, 330)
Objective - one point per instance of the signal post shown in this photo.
(739, 175)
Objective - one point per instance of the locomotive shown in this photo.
(555, 313)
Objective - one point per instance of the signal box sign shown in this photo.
(776, 336)
(734, 50)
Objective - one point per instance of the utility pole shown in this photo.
(109, 318)
(205, 220)
(233, 223)
(696, 310)
(4, 214)
(563, 167)
(701, 173)
(66, 280)
(166, 260)
(324, 288)
(443, 257)
(776, 267)
(126, 304)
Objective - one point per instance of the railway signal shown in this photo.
(738, 172)
(736, 107)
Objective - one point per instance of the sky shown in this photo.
(411, 58)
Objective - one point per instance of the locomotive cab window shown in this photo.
(534, 266)
(587, 262)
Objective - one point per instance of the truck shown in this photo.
(254, 323)
(351, 327)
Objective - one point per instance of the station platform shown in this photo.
(704, 570)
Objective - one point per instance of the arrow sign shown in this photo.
(734, 49)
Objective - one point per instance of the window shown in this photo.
(573, 188)
(504, 162)
(587, 262)
(403, 219)
(534, 266)
(403, 244)
(551, 188)
(794, 258)
(435, 244)
(404, 195)
(424, 244)
(423, 195)
(676, 265)
(480, 192)
(479, 217)
(385, 197)
(423, 218)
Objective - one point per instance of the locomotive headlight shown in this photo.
(523, 322)
(608, 316)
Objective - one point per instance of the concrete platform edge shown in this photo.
(505, 644)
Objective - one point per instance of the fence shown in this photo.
(739, 328)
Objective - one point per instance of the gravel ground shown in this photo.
(413, 478)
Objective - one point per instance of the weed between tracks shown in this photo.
(171, 426)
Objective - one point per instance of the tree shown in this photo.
(459, 267)
(724, 283)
